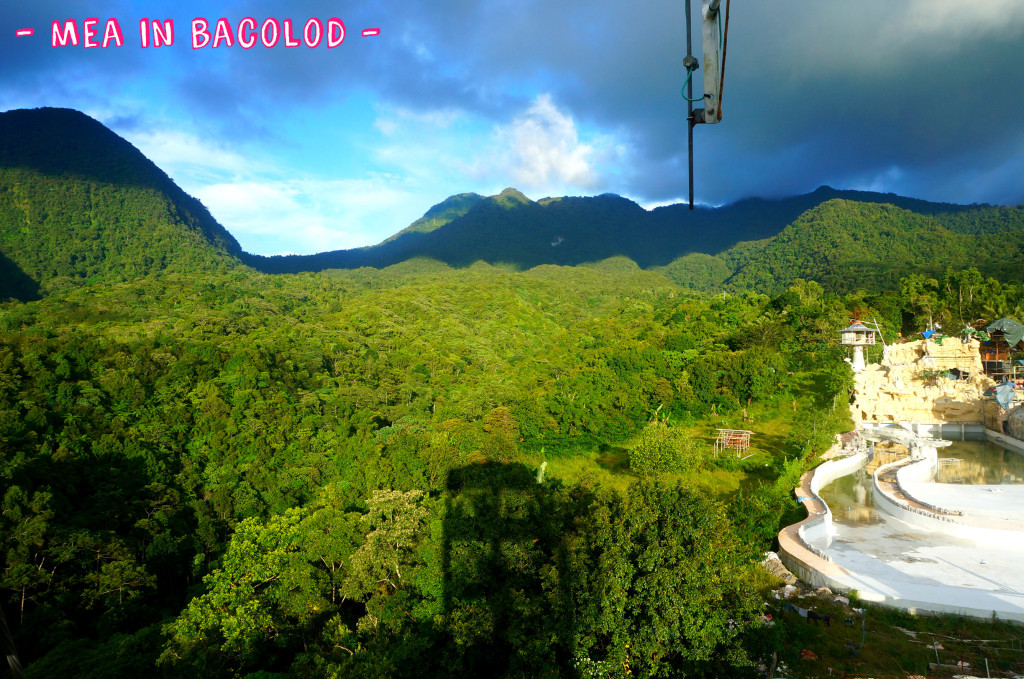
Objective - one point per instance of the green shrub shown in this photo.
(662, 449)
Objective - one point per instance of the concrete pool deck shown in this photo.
(894, 563)
(994, 506)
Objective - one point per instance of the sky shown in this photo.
(308, 149)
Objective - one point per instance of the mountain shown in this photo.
(846, 245)
(510, 228)
(447, 210)
(79, 203)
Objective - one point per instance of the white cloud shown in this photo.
(956, 17)
(882, 181)
(540, 150)
(307, 216)
(274, 210)
(542, 147)
(183, 155)
(394, 120)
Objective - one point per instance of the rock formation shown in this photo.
(924, 381)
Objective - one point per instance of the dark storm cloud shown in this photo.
(849, 97)
(33, 68)
(921, 96)
(924, 95)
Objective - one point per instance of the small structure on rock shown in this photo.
(1005, 336)
(858, 336)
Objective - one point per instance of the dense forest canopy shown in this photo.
(420, 470)
(337, 473)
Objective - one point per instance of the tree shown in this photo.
(659, 583)
(501, 443)
(394, 522)
(921, 298)
(964, 293)
(23, 528)
(663, 449)
(275, 580)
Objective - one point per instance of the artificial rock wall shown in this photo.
(896, 390)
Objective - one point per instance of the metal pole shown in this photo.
(689, 102)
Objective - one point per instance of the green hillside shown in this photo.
(845, 245)
(447, 210)
(455, 465)
(78, 204)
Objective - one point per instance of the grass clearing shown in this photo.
(729, 472)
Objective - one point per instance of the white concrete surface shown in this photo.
(995, 505)
(891, 562)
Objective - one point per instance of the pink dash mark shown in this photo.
(22, 32)
(368, 32)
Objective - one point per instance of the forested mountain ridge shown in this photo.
(79, 203)
(511, 229)
(846, 245)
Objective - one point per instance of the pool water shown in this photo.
(981, 463)
(851, 499)
(976, 462)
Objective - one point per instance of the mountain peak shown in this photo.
(444, 212)
(511, 197)
(66, 142)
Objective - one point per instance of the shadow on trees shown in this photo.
(505, 572)
(103, 548)
(15, 283)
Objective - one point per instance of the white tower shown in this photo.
(858, 336)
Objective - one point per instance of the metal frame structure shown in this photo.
(732, 439)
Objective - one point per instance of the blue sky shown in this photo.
(305, 150)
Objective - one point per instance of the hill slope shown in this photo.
(509, 228)
(846, 245)
(447, 210)
(78, 202)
